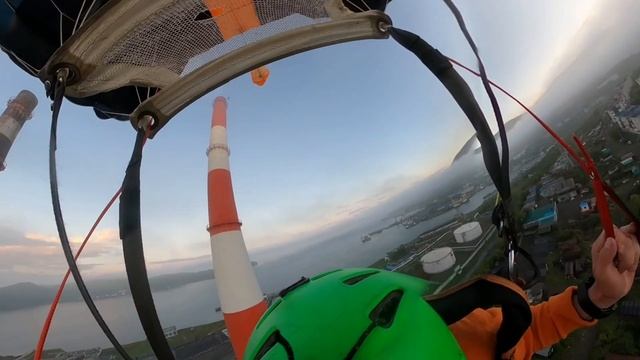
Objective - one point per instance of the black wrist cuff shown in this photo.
(587, 305)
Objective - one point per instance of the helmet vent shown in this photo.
(273, 340)
(382, 316)
(303, 280)
(385, 312)
(356, 279)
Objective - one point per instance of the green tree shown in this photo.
(634, 94)
(634, 203)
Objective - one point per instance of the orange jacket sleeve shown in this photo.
(552, 321)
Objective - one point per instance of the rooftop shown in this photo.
(630, 308)
(543, 214)
(631, 111)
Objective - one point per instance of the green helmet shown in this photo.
(353, 314)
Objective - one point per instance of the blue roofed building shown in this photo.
(544, 216)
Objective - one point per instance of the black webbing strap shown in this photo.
(440, 66)
(487, 292)
(57, 95)
(502, 215)
(131, 235)
(506, 191)
(455, 84)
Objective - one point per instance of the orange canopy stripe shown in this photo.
(234, 17)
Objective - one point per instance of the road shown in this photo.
(418, 254)
(458, 271)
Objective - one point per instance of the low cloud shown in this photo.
(41, 237)
(38, 257)
(181, 260)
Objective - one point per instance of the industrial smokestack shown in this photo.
(13, 118)
(241, 299)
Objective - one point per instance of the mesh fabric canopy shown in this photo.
(189, 47)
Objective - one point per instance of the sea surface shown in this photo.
(194, 304)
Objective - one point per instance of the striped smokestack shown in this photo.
(241, 299)
(13, 118)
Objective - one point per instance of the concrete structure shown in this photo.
(530, 202)
(626, 159)
(622, 99)
(568, 196)
(556, 186)
(170, 331)
(241, 298)
(627, 119)
(18, 111)
(438, 260)
(468, 232)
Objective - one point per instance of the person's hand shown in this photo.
(615, 262)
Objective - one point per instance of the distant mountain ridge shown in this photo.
(27, 295)
(626, 65)
(468, 146)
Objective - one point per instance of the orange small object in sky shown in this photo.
(235, 17)
(260, 75)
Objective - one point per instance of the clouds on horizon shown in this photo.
(29, 256)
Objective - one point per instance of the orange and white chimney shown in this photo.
(242, 302)
(18, 111)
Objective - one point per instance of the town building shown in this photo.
(622, 99)
(544, 216)
(562, 164)
(627, 119)
(530, 202)
(626, 159)
(170, 331)
(588, 205)
(556, 186)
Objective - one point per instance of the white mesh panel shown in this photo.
(159, 43)
(182, 33)
(254, 35)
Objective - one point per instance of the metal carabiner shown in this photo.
(511, 261)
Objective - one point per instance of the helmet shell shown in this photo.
(354, 313)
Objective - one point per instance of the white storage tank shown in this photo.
(468, 232)
(438, 260)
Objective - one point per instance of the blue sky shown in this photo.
(331, 130)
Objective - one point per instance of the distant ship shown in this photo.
(409, 223)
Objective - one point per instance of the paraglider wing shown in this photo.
(127, 51)
(32, 30)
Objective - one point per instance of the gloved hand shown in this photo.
(615, 262)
